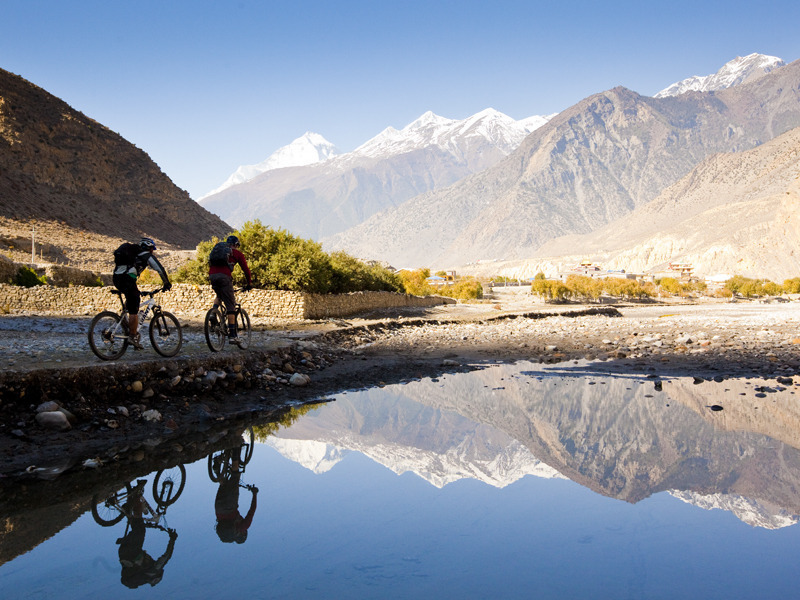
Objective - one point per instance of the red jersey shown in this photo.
(236, 258)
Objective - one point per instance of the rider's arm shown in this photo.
(250, 513)
(153, 263)
(242, 262)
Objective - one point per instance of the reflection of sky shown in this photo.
(358, 530)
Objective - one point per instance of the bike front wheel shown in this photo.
(107, 337)
(168, 485)
(214, 328)
(165, 334)
(243, 325)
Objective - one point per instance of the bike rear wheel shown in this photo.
(165, 334)
(243, 325)
(214, 328)
(107, 337)
(108, 512)
(168, 485)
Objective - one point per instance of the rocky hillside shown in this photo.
(590, 165)
(81, 184)
(736, 213)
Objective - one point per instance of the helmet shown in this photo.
(233, 241)
(147, 244)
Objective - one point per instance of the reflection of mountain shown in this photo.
(615, 435)
(438, 445)
(747, 510)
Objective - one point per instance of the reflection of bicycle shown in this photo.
(109, 335)
(224, 463)
(130, 501)
(216, 326)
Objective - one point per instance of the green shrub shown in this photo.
(27, 277)
(281, 261)
(792, 286)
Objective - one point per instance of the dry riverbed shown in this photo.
(144, 400)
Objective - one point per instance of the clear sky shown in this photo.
(206, 86)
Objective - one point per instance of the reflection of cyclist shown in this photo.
(231, 526)
(222, 260)
(138, 567)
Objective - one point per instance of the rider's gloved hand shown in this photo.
(248, 287)
(167, 286)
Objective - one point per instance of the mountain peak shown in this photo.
(308, 149)
(741, 69)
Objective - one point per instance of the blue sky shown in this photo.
(206, 86)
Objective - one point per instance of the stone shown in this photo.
(137, 386)
(175, 381)
(55, 420)
(151, 415)
(148, 393)
(47, 407)
(299, 379)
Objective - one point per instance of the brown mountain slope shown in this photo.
(735, 213)
(84, 184)
(592, 164)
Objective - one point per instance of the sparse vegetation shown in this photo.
(281, 261)
(27, 277)
(580, 287)
(414, 282)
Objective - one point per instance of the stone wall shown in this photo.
(193, 301)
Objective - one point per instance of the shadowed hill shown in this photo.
(60, 167)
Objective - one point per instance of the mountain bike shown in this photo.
(223, 463)
(216, 326)
(109, 336)
(167, 487)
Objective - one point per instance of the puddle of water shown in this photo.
(514, 481)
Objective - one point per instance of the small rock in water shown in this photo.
(715, 407)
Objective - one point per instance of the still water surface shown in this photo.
(515, 481)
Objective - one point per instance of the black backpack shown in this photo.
(126, 254)
(220, 255)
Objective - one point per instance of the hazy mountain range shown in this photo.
(324, 198)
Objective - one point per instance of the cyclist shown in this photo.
(222, 260)
(130, 260)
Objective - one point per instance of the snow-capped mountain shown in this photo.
(746, 509)
(321, 199)
(308, 149)
(451, 135)
(739, 70)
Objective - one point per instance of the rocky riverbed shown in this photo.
(103, 407)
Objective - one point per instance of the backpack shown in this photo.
(126, 254)
(220, 255)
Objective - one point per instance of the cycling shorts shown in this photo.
(127, 285)
(223, 286)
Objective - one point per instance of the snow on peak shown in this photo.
(308, 149)
(741, 69)
(431, 129)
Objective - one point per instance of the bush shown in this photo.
(281, 261)
(27, 277)
(550, 290)
(792, 286)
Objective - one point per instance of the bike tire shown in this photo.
(243, 325)
(107, 512)
(249, 438)
(106, 340)
(215, 333)
(166, 335)
(216, 466)
(168, 485)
